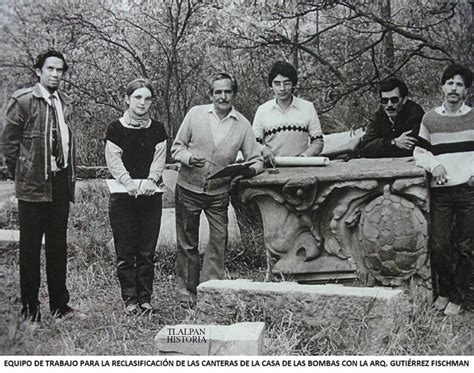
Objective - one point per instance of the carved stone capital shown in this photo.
(331, 226)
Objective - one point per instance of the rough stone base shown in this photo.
(232, 340)
(371, 312)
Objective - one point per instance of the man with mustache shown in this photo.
(287, 125)
(39, 153)
(394, 127)
(446, 150)
(209, 139)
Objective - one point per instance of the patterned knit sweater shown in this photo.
(447, 141)
(289, 132)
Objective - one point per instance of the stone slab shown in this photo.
(333, 142)
(168, 228)
(167, 235)
(168, 225)
(355, 169)
(374, 310)
(9, 235)
(240, 339)
(9, 239)
(100, 172)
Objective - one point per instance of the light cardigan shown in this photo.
(195, 137)
(447, 140)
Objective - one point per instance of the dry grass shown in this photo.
(94, 288)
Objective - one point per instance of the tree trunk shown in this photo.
(296, 36)
(388, 60)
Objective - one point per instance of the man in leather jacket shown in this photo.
(39, 153)
(394, 128)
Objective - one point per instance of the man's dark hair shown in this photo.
(222, 76)
(455, 69)
(283, 68)
(41, 58)
(392, 83)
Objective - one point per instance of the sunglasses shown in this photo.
(393, 100)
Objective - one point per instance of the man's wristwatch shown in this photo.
(393, 142)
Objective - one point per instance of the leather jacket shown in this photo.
(376, 143)
(26, 145)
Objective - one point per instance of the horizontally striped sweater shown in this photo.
(449, 141)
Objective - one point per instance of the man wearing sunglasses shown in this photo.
(394, 128)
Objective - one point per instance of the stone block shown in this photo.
(8, 243)
(167, 235)
(240, 339)
(10, 238)
(9, 235)
(374, 310)
(93, 172)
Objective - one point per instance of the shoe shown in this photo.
(71, 313)
(452, 309)
(187, 304)
(441, 303)
(147, 308)
(131, 310)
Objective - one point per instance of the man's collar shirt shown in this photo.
(62, 124)
(464, 109)
(220, 127)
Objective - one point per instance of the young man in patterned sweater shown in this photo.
(287, 125)
(446, 151)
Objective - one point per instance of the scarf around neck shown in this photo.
(135, 121)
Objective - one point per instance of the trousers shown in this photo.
(188, 208)
(49, 219)
(452, 239)
(135, 226)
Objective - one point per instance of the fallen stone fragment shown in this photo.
(373, 312)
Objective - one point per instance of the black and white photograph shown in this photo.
(196, 185)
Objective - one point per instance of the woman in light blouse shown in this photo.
(136, 149)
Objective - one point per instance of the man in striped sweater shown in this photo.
(446, 150)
